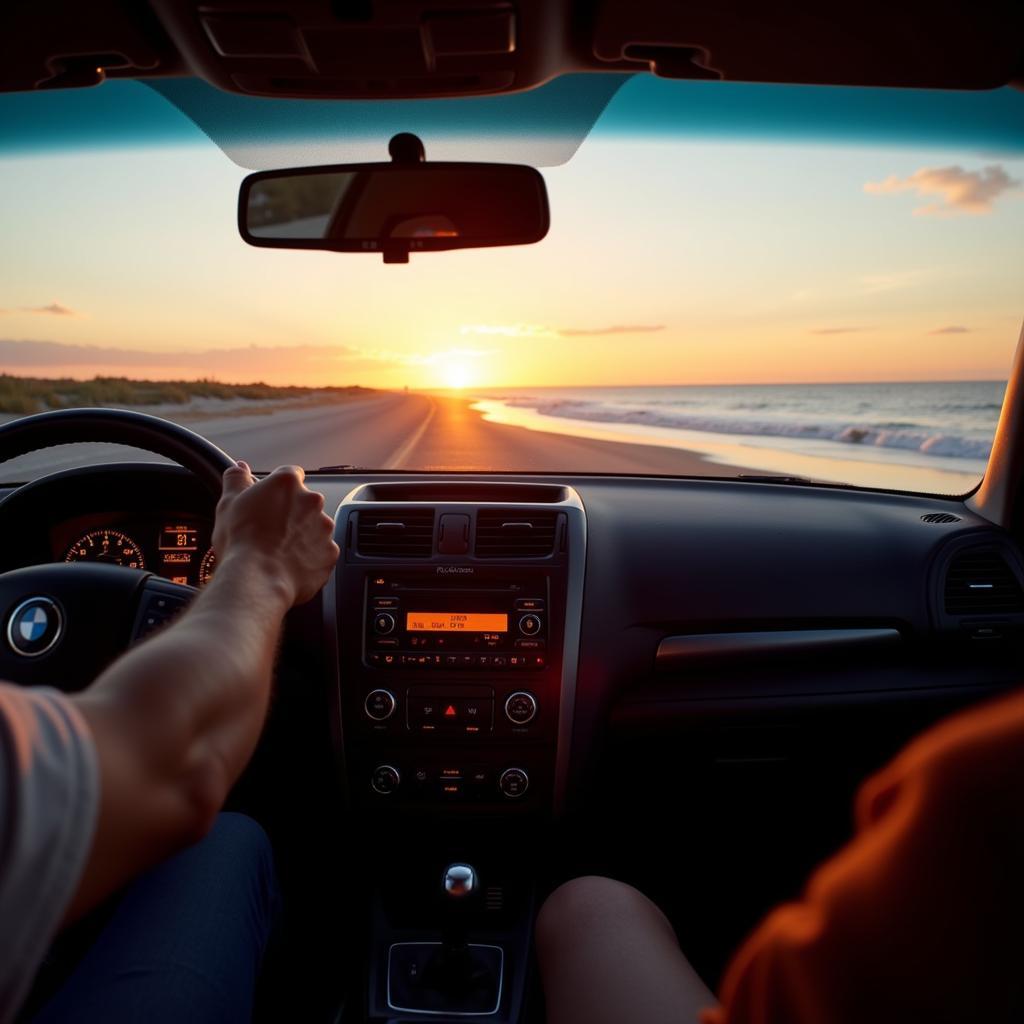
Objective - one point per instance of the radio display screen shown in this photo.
(455, 622)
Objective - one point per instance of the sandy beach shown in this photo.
(390, 430)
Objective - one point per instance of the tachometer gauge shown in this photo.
(110, 546)
(206, 567)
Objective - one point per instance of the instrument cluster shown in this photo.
(177, 547)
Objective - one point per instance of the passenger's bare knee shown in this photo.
(588, 903)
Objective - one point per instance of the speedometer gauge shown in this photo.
(206, 566)
(110, 546)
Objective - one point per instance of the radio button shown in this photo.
(392, 642)
(499, 661)
(483, 661)
(530, 625)
(380, 705)
(385, 779)
(475, 715)
(529, 604)
(513, 782)
(385, 602)
(422, 713)
(383, 623)
(521, 707)
(530, 645)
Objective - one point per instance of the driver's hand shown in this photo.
(278, 523)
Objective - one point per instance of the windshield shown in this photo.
(737, 280)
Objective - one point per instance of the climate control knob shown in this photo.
(380, 705)
(385, 779)
(529, 625)
(521, 708)
(513, 783)
(383, 623)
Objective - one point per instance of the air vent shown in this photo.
(939, 517)
(508, 533)
(982, 583)
(402, 533)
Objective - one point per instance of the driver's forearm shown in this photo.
(174, 722)
(196, 695)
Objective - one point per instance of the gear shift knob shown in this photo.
(460, 881)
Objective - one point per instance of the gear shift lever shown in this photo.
(460, 887)
(454, 976)
(453, 969)
(460, 881)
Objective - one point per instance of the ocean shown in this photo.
(929, 436)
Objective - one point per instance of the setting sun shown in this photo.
(456, 376)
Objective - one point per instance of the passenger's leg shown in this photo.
(608, 955)
(185, 941)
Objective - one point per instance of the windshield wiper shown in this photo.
(343, 468)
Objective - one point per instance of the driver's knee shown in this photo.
(237, 844)
(590, 906)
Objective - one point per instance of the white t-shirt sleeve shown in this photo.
(49, 800)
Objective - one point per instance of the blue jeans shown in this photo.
(184, 942)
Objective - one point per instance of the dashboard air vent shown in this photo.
(981, 582)
(508, 533)
(402, 533)
(939, 517)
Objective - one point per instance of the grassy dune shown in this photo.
(24, 395)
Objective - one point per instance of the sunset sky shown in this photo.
(669, 260)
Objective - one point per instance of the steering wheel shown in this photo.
(62, 623)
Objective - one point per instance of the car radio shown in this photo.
(412, 622)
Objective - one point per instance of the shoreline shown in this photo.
(384, 430)
(460, 439)
(760, 454)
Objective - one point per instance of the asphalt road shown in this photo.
(373, 430)
(389, 430)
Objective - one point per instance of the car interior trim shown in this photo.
(674, 650)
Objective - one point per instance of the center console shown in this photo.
(456, 611)
(454, 619)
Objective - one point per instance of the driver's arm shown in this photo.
(176, 719)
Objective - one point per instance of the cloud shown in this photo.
(53, 309)
(954, 329)
(436, 358)
(540, 331)
(897, 280)
(960, 191)
(583, 332)
(840, 330)
(281, 363)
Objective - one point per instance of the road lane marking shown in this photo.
(403, 451)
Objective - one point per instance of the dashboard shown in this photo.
(482, 636)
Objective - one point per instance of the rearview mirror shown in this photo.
(394, 208)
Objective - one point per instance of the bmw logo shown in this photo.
(34, 627)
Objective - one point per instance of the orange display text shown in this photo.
(454, 622)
